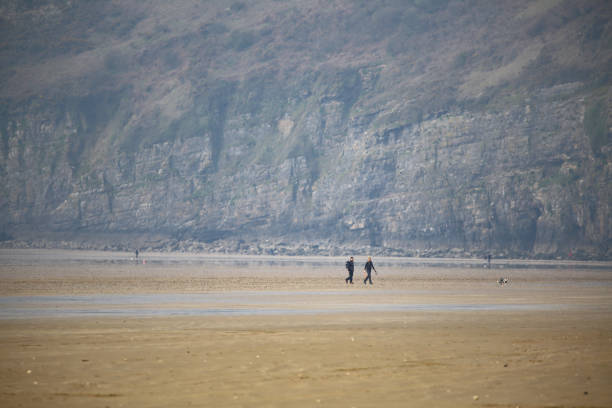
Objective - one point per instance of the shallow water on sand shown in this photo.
(50, 257)
(225, 304)
(44, 283)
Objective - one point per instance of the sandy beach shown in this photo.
(104, 330)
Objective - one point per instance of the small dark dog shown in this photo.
(503, 281)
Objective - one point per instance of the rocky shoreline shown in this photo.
(129, 243)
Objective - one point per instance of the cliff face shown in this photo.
(412, 128)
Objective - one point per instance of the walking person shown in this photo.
(368, 269)
(350, 266)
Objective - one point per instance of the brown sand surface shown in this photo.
(456, 338)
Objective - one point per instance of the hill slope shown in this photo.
(397, 127)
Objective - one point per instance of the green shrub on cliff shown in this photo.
(596, 126)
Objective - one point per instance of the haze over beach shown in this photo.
(182, 185)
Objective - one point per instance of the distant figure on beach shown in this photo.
(350, 267)
(368, 270)
(136, 253)
(489, 261)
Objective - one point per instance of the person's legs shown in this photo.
(368, 277)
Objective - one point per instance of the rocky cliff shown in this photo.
(388, 127)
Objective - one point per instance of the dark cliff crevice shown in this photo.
(218, 101)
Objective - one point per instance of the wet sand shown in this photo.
(97, 329)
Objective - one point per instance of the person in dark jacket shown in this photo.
(368, 269)
(350, 266)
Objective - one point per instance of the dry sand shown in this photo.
(258, 333)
